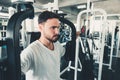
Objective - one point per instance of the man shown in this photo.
(41, 59)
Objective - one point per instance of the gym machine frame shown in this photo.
(13, 45)
(112, 42)
(103, 39)
(72, 45)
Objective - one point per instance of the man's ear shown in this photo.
(40, 27)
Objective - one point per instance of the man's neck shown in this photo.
(47, 43)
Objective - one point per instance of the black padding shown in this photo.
(70, 51)
(106, 54)
(34, 36)
(87, 63)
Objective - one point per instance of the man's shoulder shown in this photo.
(32, 45)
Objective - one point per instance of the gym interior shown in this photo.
(92, 55)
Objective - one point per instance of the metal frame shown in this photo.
(13, 47)
(102, 41)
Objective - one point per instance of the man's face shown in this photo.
(50, 29)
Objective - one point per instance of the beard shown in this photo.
(54, 39)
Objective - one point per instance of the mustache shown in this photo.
(57, 35)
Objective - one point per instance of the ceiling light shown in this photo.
(0, 8)
(22, 0)
(81, 6)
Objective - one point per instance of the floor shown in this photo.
(107, 74)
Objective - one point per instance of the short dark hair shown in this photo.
(44, 16)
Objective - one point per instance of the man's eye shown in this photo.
(54, 27)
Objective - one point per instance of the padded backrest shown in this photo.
(34, 36)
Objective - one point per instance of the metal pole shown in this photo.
(102, 47)
(102, 51)
(112, 46)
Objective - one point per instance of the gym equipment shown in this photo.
(70, 45)
(13, 71)
(86, 59)
(3, 62)
(103, 35)
(3, 52)
(3, 69)
(114, 40)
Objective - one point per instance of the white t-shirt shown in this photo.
(41, 63)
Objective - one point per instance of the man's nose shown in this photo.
(57, 31)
